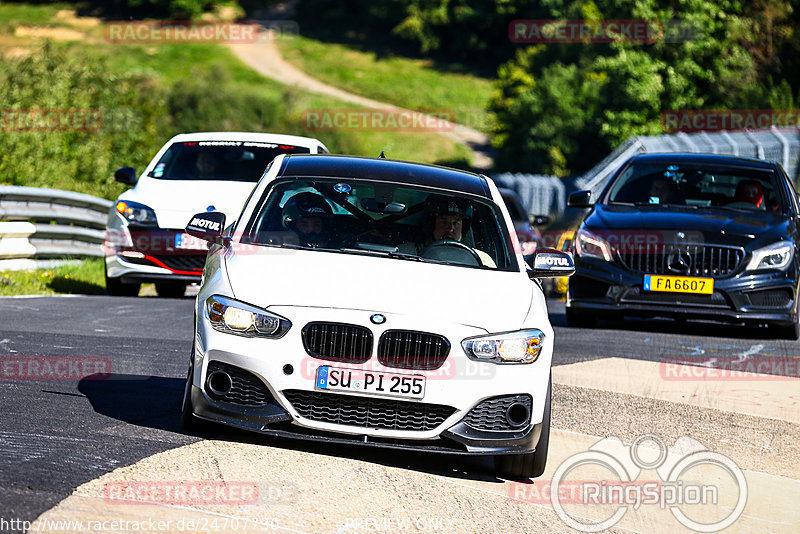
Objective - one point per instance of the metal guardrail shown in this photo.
(39, 226)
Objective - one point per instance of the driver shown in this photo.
(750, 191)
(307, 215)
(446, 219)
(206, 165)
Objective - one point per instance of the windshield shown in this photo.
(657, 184)
(382, 219)
(240, 161)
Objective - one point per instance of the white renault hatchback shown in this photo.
(375, 302)
(212, 171)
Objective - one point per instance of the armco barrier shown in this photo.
(39, 226)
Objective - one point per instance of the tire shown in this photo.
(530, 464)
(170, 290)
(791, 331)
(116, 288)
(189, 421)
(577, 319)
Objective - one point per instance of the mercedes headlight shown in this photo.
(136, 213)
(774, 256)
(234, 317)
(523, 346)
(590, 245)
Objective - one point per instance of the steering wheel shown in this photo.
(430, 251)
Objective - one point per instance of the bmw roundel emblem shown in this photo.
(377, 318)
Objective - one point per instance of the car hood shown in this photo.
(175, 201)
(709, 225)
(492, 300)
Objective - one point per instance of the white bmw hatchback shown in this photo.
(375, 302)
(192, 172)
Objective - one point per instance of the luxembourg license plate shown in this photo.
(373, 382)
(189, 242)
(679, 284)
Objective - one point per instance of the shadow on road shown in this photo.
(154, 402)
(147, 401)
(659, 325)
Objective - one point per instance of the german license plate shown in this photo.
(189, 242)
(373, 382)
(679, 284)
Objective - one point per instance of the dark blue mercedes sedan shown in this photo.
(689, 236)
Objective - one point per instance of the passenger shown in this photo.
(307, 215)
(663, 191)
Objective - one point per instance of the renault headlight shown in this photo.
(523, 346)
(136, 213)
(234, 317)
(588, 244)
(774, 256)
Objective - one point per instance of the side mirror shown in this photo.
(126, 175)
(550, 263)
(540, 220)
(580, 199)
(207, 226)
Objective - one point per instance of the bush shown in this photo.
(129, 108)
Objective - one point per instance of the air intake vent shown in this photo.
(337, 342)
(368, 412)
(406, 349)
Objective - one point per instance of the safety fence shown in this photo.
(41, 227)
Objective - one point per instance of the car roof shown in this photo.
(703, 159)
(405, 172)
(248, 136)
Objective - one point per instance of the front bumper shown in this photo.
(766, 297)
(273, 420)
(150, 255)
(283, 369)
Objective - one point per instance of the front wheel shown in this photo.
(580, 319)
(189, 420)
(530, 464)
(791, 331)
(172, 290)
(116, 288)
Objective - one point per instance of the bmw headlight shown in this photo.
(523, 346)
(136, 213)
(588, 244)
(234, 317)
(774, 256)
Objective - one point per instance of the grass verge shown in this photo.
(83, 278)
(409, 83)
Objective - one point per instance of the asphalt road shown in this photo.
(57, 434)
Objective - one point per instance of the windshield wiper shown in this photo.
(384, 254)
(666, 205)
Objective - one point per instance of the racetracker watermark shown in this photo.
(51, 120)
(181, 32)
(588, 500)
(688, 369)
(377, 120)
(54, 368)
(182, 492)
(65, 120)
(193, 523)
(601, 31)
(710, 120)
